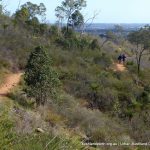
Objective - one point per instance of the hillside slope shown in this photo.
(97, 100)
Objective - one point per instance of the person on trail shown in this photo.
(119, 59)
(123, 58)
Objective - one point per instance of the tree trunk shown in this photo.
(138, 68)
(139, 64)
(68, 24)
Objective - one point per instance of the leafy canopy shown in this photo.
(70, 10)
(29, 11)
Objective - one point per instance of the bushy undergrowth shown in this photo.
(116, 103)
(13, 134)
(47, 142)
(88, 122)
(6, 125)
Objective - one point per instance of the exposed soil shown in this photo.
(119, 67)
(10, 82)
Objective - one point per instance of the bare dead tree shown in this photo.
(91, 20)
(140, 39)
(110, 36)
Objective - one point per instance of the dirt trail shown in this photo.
(119, 67)
(9, 83)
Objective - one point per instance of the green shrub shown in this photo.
(83, 43)
(104, 99)
(46, 141)
(68, 33)
(103, 60)
(54, 32)
(40, 78)
(6, 134)
(130, 63)
(94, 44)
(22, 99)
(4, 64)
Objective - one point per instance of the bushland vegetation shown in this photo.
(70, 89)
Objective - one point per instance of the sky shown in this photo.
(110, 11)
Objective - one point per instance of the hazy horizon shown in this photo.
(113, 12)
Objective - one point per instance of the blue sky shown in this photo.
(110, 11)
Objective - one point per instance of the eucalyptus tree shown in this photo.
(141, 41)
(30, 11)
(71, 12)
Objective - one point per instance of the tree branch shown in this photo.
(92, 19)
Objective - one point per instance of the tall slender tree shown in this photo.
(71, 11)
(141, 40)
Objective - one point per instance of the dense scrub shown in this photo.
(94, 102)
(16, 135)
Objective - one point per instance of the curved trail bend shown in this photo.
(13, 79)
(9, 83)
